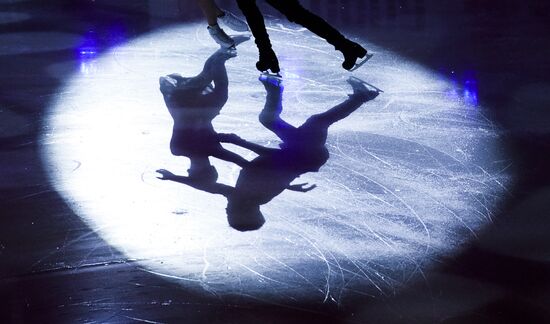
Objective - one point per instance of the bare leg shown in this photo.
(210, 10)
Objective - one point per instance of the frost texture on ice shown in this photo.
(413, 174)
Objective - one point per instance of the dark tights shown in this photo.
(294, 12)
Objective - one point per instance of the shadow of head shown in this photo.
(204, 172)
(244, 216)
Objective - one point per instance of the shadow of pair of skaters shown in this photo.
(194, 102)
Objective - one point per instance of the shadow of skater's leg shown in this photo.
(232, 157)
(315, 130)
(213, 69)
(336, 113)
(218, 73)
(270, 115)
(256, 23)
(294, 12)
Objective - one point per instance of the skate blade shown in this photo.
(367, 84)
(363, 61)
(272, 75)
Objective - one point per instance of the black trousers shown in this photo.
(294, 12)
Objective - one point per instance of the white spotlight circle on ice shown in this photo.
(412, 176)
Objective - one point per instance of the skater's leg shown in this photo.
(295, 12)
(268, 60)
(255, 21)
(210, 10)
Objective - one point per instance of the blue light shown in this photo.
(463, 85)
(89, 46)
(470, 87)
(88, 52)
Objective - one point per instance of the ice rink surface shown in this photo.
(432, 208)
(413, 175)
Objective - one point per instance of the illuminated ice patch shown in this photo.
(412, 176)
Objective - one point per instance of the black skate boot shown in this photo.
(352, 52)
(268, 61)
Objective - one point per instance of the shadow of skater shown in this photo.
(193, 102)
(302, 150)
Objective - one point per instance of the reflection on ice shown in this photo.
(412, 175)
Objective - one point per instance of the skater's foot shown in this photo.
(221, 37)
(268, 61)
(360, 91)
(352, 52)
(233, 22)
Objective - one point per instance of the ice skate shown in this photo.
(352, 52)
(221, 37)
(361, 91)
(268, 61)
(361, 62)
(233, 22)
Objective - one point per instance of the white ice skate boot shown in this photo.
(221, 37)
(233, 22)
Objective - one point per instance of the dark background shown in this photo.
(55, 269)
